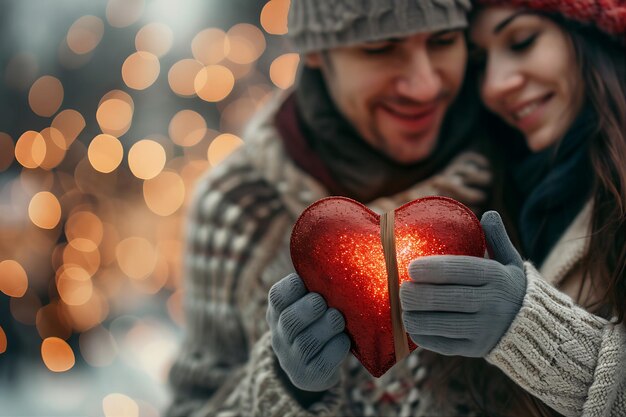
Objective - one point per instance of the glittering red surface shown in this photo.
(336, 249)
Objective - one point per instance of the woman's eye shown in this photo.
(524, 44)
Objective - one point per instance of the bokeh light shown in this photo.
(46, 95)
(247, 43)
(122, 13)
(119, 405)
(210, 46)
(13, 281)
(57, 355)
(105, 153)
(85, 34)
(146, 159)
(283, 70)
(140, 70)
(67, 125)
(222, 146)
(187, 128)
(98, 347)
(3, 341)
(74, 286)
(30, 149)
(155, 38)
(7, 151)
(44, 210)
(182, 75)
(274, 16)
(114, 116)
(214, 83)
(165, 193)
(136, 257)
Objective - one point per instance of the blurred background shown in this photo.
(110, 110)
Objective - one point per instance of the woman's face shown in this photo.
(530, 76)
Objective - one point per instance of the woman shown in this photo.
(555, 72)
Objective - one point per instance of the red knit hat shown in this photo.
(607, 15)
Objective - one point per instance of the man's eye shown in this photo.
(376, 49)
(524, 44)
(444, 40)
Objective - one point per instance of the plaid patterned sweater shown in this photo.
(238, 247)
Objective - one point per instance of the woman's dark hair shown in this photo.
(602, 62)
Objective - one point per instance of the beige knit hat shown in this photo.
(316, 25)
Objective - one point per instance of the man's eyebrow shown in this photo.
(446, 31)
(500, 26)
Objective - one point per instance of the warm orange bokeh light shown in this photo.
(210, 46)
(247, 43)
(74, 286)
(222, 146)
(187, 128)
(156, 38)
(57, 355)
(136, 257)
(182, 75)
(120, 95)
(44, 210)
(165, 193)
(119, 405)
(84, 226)
(50, 322)
(123, 13)
(13, 279)
(54, 153)
(30, 149)
(274, 16)
(105, 153)
(3, 341)
(283, 70)
(146, 159)
(85, 34)
(73, 256)
(45, 96)
(88, 315)
(7, 151)
(214, 83)
(114, 116)
(67, 125)
(140, 70)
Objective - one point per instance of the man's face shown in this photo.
(396, 92)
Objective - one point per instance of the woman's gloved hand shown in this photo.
(463, 305)
(307, 336)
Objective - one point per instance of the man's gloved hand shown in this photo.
(465, 179)
(307, 336)
(463, 305)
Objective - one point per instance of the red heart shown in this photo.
(337, 250)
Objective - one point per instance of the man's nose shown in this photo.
(419, 80)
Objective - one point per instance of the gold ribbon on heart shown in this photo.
(388, 239)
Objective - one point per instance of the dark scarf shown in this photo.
(554, 185)
(358, 170)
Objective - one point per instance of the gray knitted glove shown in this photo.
(462, 305)
(307, 336)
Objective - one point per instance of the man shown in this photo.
(365, 121)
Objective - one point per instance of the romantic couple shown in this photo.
(516, 108)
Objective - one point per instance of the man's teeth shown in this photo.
(527, 110)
